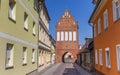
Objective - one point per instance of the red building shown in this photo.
(66, 38)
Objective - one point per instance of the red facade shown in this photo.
(66, 37)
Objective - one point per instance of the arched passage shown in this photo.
(67, 57)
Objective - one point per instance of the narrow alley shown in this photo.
(62, 69)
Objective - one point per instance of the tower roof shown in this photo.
(66, 14)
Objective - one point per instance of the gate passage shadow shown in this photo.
(70, 71)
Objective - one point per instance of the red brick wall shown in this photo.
(66, 24)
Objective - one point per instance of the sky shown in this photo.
(80, 9)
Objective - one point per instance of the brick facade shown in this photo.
(66, 25)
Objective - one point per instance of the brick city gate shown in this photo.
(66, 38)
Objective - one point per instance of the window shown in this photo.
(87, 57)
(107, 53)
(24, 55)
(105, 19)
(96, 57)
(94, 30)
(35, 4)
(9, 55)
(74, 36)
(33, 55)
(58, 36)
(100, 57)
(33, 29)
(116, 9)
(99, 26)
(25, 21)
(70, 36)
(62, 36)
(66, 36)
(118, 56)
(12, 10)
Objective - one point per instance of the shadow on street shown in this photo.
(70, 71)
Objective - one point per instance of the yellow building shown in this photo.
(44, 38)
(18, 37)
(53, 50)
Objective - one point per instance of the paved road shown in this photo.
(62, 69)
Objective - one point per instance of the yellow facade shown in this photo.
(44, 39)
(12, 31)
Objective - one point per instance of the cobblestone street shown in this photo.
(61, 69)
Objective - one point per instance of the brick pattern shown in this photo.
(68, 24)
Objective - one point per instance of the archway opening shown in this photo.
(67, 57)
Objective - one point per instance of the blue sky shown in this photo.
(80, 9)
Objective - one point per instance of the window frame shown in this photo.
(99, 26)
(58, 36)
(116, 15)
(62, 36)
(105, 16)
(24, 56)
(10, 59)
(118, 57)
(33, 55)
(66, 36)
(107, 65)
(70, 36)
(34, 28)
(74, 36)
(94, 29)
(25, 21)
(96, 57)
(100, 57)
(12, 10)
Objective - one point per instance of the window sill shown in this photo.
(117, 20)
(106, 28)
(26, 28)
(33, 34)
(24, 64)
(9, 67)
(33, 62)
(108, 67)
(12, 19)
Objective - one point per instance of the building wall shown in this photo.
(66, 24)
(108, 38)
(13, 32)
(44, 39)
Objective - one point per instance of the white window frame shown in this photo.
(33, 29)
(105, 15)
(96, 57)
(100, 57)
(9, 55)
(99, 26)
(12, 10)
(118, 56)
(33, 55)
(25, 20)
(108, 64)
(116, 15)
(58, 36)
(70, 36)
(66, 36)
(94, 30)
(24, 57)
(74, 35)
(62, 36)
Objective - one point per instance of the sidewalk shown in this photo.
(81, 70)
(48, 70)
